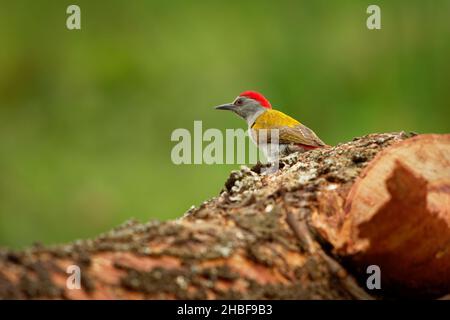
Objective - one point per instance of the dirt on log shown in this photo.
(307, 231)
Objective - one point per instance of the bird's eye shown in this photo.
(239, 102)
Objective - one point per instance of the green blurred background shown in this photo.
(86, 116)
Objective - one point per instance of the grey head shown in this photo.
(247, 108)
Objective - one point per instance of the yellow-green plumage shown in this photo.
(290, 131)
(274, 119)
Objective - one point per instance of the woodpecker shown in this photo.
(258, 113)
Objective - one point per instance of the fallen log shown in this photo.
(308, 231)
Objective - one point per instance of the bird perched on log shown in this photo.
(268, 127)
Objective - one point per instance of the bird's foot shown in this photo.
(272, 167)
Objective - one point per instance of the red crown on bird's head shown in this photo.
(258, 97)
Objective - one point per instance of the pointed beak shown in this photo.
(227, 106)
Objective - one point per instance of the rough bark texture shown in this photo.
(308, 231)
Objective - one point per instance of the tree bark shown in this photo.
(307, 231)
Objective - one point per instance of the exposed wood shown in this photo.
(403, 225)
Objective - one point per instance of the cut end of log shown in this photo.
(398, 217)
